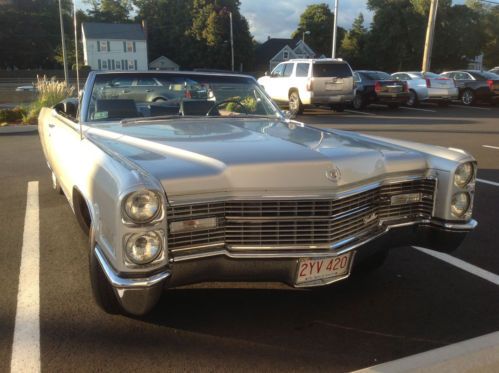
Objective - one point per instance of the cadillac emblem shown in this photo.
(334, 174)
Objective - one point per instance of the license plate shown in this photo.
(330, 86)
(323, 268)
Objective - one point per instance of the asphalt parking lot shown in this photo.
(413, 303)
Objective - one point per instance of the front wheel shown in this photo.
(338, 108)
(372, 263)
(468, 97)
(295, 105)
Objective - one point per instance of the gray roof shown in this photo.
(121, 31)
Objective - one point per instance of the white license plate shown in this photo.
(330, 86)
(323, 268)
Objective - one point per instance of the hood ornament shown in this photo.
(334, 175)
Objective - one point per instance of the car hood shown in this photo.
(252, 157)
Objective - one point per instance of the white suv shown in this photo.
(303, 82)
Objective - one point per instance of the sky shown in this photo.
(279, 18)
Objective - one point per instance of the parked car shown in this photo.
(495, 70)
(475, 85)
(152, 89)
(26, 88)
(377, 87)
(302, 82)
(232, 190)
(428, 86)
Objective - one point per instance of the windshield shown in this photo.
(136, 95)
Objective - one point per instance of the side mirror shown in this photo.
(266, 73)
(287, 114)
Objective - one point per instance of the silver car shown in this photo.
(428, 87)
(228, 189)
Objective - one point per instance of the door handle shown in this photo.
(148, 90)
(126, 91)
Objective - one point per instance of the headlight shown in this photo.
(142, 206)
(143, 248)
(464, 174)
(460, 204)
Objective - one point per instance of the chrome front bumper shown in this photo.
(138, 295)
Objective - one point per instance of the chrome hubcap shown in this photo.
(293, 103)
(467, 97)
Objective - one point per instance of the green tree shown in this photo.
(114, 11)
(353, 44)
(318, 19)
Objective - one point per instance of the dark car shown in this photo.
(475, 85)
(377, 87)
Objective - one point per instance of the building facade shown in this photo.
(109, 46)
(274, 51)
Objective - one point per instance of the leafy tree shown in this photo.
(114, 11)
(196, 33)
(353, 44)
(318, 19)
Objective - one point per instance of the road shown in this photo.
(414, 303)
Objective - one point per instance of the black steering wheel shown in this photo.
(239, 103)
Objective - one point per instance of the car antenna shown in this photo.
(76, 65)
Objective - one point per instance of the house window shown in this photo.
(129, 46)
(118, 65)
(104, 65)
(285, 55)
(131, 65)
(103, 46)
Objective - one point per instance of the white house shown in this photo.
(114, 46)
(163, 63)
(274, 51)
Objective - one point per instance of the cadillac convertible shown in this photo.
(223, 186)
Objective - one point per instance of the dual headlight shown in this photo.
(143, 207)
(461, 201)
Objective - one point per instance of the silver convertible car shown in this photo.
(226, 188)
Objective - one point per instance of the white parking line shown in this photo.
(470, 107)
(491, 147)
(26, 344)
(488, 182)
(479, 354)
(461, 264)
(413, 108)
(359, 112)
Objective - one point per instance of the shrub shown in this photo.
(48, 93)
(12, 115)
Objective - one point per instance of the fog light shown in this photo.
(193, 225)
(460, 204)
(143, 248)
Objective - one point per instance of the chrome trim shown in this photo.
(468, 226)
(388, 180)
(128, 283)
(301, 254)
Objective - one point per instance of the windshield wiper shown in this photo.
(141, 120)
(130, 121)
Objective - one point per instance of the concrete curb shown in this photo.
(479, 354)
(18, 129)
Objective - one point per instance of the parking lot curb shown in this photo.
(479, 354)
(9, 130)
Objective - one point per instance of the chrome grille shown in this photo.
(284, 224)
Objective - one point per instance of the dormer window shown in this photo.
(285, 55)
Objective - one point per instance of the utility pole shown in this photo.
(76, 49)
(428, 45)
(63, 45)
(335, 26)
(231, 42)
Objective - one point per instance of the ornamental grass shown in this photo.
(48, 93)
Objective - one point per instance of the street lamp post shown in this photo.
(333, 54)
(303, 35)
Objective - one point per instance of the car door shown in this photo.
(142, 88)
(285, 82)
